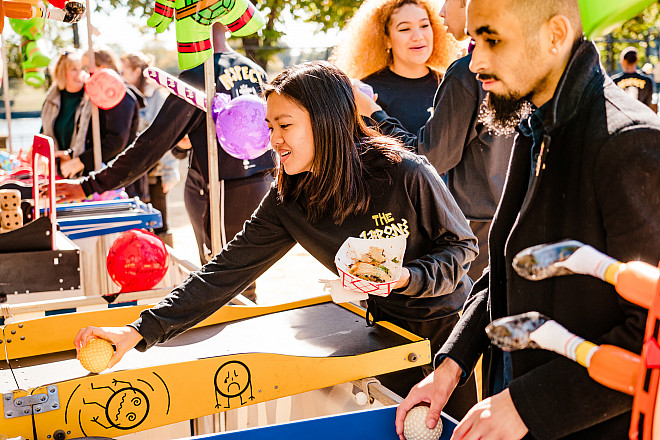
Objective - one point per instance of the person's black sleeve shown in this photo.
(175, 119)
(115, 129)
(468, 340)
(263, 241)
(628, 193)
(648, 92)
(454, 245)
(444, 136)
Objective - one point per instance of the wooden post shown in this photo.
(96, 127)
(5, 81)
(214, 180)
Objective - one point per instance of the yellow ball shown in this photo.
(414, 425)
(94, 356)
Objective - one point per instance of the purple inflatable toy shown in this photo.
(241, 126)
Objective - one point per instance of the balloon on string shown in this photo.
(241, 125)
(105, 88)
(137, 260)
(240, 122)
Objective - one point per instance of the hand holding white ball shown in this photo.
(414, 425)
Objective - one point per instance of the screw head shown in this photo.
(26, 411)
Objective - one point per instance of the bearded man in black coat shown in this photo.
(585, 165)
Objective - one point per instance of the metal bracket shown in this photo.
(48, 400)
(374, 390)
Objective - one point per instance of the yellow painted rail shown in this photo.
(122, 402)
(27, 338)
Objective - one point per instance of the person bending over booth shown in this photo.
(336, 176)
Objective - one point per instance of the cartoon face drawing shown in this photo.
(127, 408)
(232, 380)
(111, 404)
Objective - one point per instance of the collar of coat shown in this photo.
(582, 78)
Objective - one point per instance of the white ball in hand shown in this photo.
(414, 425)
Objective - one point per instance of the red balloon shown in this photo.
(137, 260)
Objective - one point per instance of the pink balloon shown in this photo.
(105, 88)
(241, 126)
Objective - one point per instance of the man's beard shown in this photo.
(502, 114)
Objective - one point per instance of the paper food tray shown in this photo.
(353, 248)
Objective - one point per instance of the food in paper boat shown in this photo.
(374, 266)
(370, 266)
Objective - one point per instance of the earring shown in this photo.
(554, 50)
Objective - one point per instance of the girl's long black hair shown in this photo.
(346, 151)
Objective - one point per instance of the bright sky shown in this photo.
(119, 29)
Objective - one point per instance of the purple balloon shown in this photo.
(240, 125)
(366, 89)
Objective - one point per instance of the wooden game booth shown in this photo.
(241, 355)
(243, 367)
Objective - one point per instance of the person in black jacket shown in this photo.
(244, 182)
(337, 179)
(633, 81)
(118, 125)
(584, 166)
(67, 113)
(459, 146)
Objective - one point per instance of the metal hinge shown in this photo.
(47, 400)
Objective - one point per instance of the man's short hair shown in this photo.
(629, 54)
(537, 12)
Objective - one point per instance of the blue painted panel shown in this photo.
(372, 424)
(60, 311)
(122, 304)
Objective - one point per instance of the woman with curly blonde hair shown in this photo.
(400, 48)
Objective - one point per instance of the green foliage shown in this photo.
(643, 32)
(329, 14)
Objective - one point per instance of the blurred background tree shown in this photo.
(328, 14)
(642, 32)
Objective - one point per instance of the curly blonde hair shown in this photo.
(363, 48)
